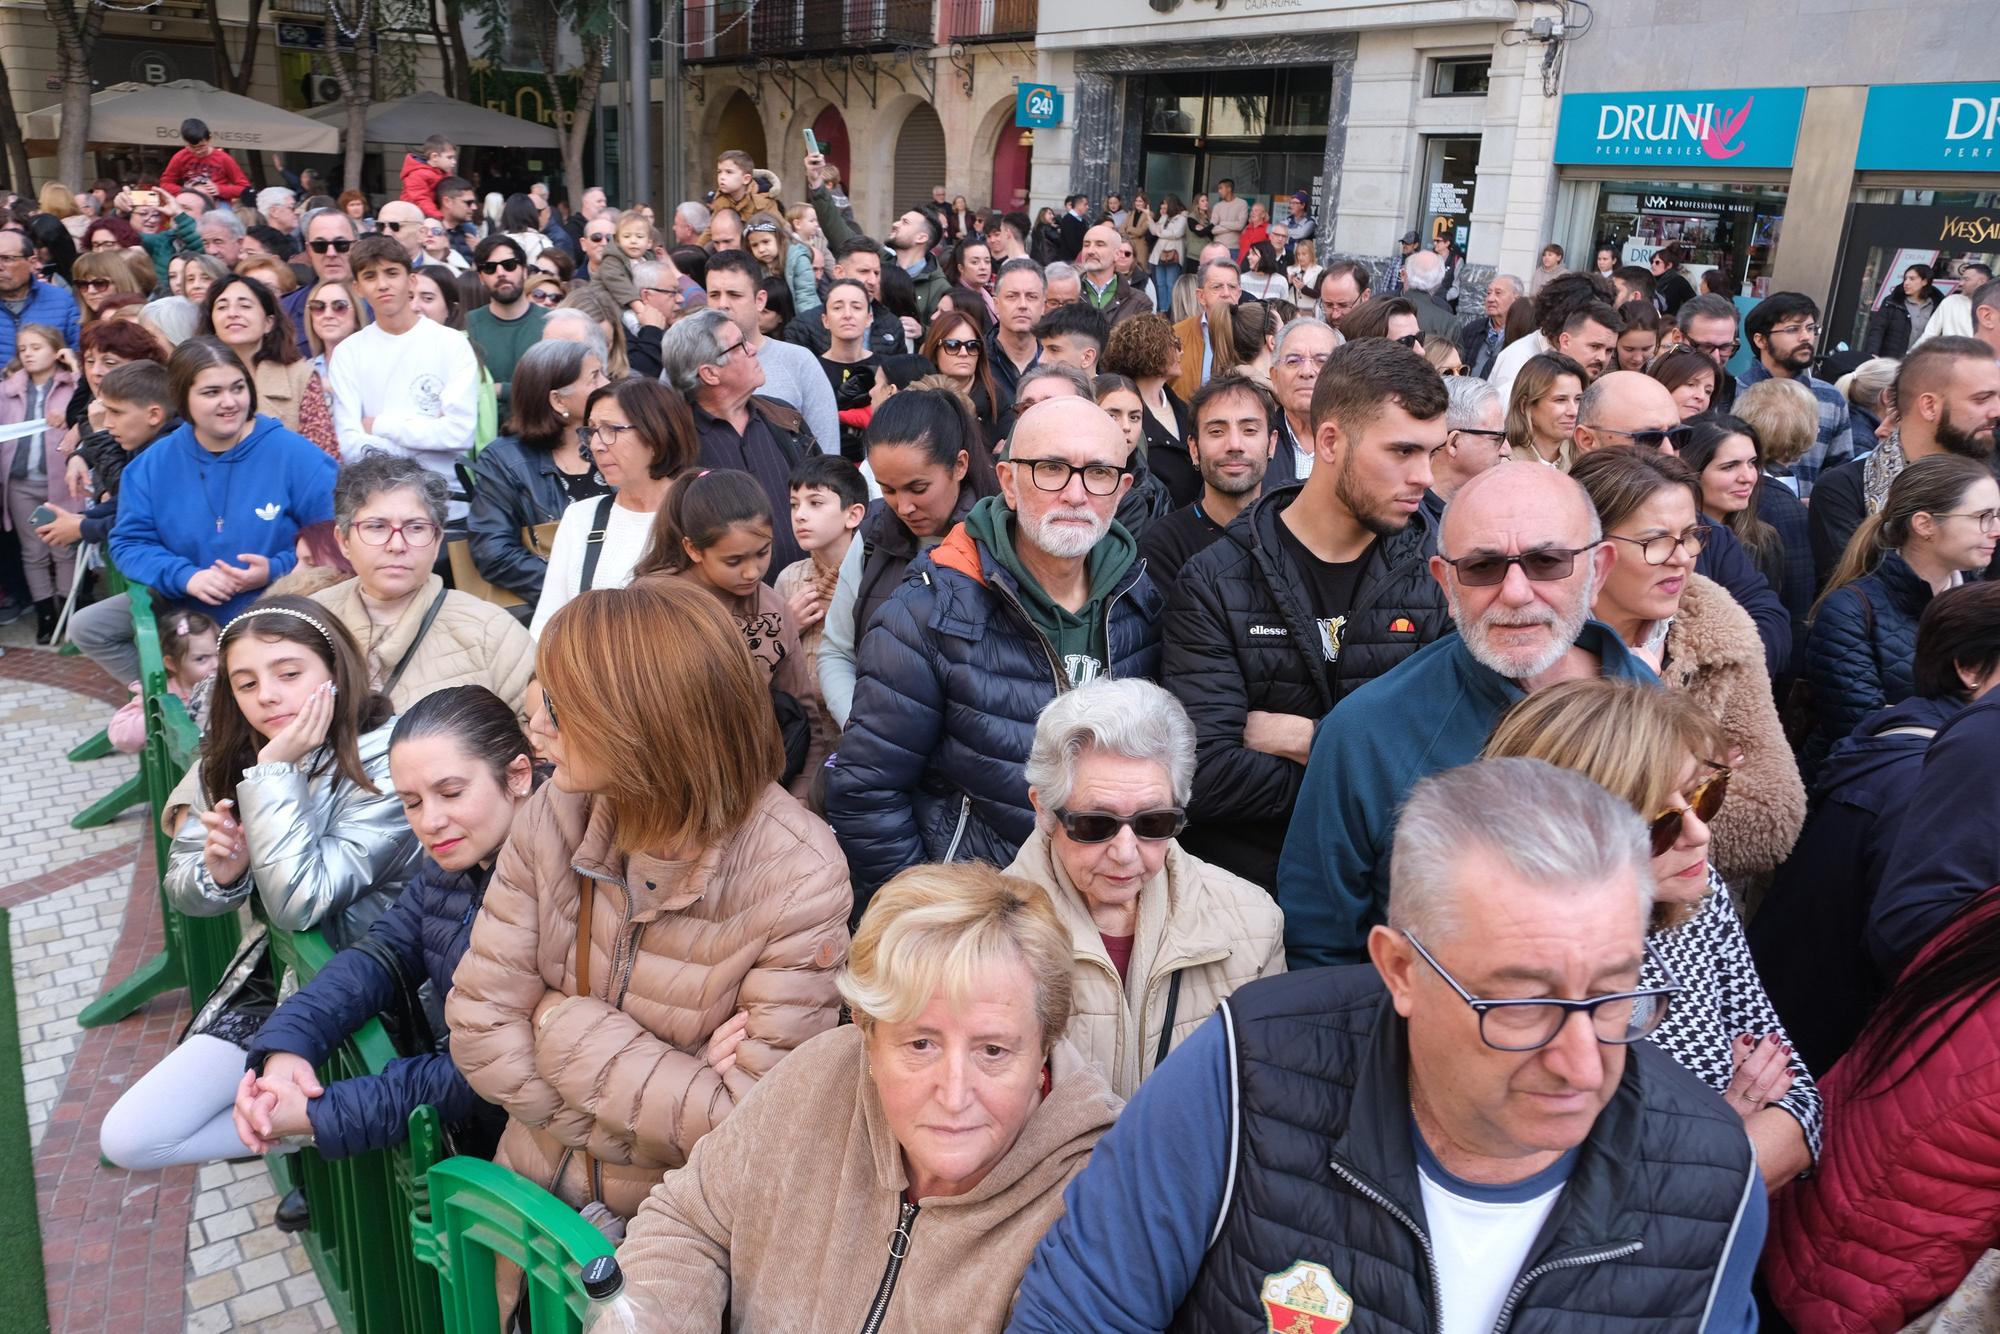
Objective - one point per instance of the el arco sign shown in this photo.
(1931, 127)
(1720, 127)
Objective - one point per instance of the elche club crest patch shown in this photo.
(1304, 1299)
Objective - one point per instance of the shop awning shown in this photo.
(151, 113)
(410, 120)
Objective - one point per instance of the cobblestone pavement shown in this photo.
(127, 1252)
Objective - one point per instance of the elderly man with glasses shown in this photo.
(1626, 409)
(26, 299)
(1038, 590)
(1473, 1133)
(1475, 439)
(330, 236)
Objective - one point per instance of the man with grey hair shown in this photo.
(280, 208)
(1378, 1147)
(1297, 354)
(691, 219)
(1061, 285)
(1480, 338)
(1475, 438)
(791, 374)
(1039, 589)
(1021, 299)
(222, 235)
(1218, 282)
(1520, 556)
(330, 234)
(714, 364)
(1423, 276)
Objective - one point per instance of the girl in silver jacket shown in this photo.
(296, 803)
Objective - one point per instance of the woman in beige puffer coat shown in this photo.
(717, 905)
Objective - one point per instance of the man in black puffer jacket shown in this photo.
(1314, 590)
(1038, 590)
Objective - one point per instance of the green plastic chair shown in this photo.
(198, 949)
(479, 1212)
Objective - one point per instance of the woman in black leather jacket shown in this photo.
(531, 476)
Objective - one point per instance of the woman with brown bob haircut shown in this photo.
(714, 906)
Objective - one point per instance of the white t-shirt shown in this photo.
(421, 387)
(626, 533)
(1512, 357)
(1481, 1236)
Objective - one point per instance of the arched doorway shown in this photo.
(1010, 168)
(830, 128)
(920, 159)
(739, 127)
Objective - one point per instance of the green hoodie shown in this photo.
(1080, 638)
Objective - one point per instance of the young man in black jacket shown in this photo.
(1231, 448)
(1311, 592)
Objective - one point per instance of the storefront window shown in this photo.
(1451, 171)
(1263, 128)
(1732, 227)
(1944, 230)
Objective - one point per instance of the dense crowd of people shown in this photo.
(850, 736)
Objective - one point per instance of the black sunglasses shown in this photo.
(1489, 568)
(1412, 341)
(500, 266)
(339, 246)
(958, 344)
(1705, 802)
(1103, 826)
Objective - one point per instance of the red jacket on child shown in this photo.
(187, 169)
(420, 182)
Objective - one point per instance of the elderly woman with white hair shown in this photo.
(1158, 937)
(900, 1171)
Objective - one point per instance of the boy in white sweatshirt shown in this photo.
(404, 383)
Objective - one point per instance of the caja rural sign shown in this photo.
(1931, 127)
(1721, 127)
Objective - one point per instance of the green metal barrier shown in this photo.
(364, 1207)
(198, 949)
(480, 1212)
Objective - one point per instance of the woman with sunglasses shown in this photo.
(96, 277)
(1701, 642)
(333, 313)
(1939, 524)
(548, 293)
(1161, 938)
(1542, 411)
(1657, 750)
(954, 346)
(439, 250)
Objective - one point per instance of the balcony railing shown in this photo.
(731, 30)
(986, 20)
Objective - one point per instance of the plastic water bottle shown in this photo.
(611, 1310)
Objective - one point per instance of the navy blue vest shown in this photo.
(1325, 1173)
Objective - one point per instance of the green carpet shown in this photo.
(23, 1301)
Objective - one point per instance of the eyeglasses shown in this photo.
(662, 291)
(1471, 430)
(1102, 826)
(607, 433)
(1988, 520)
(335, 307)
(742, 345)
(377, 532)
(1485, 569)
(1719, 351)
(1292, 361)
(542, 296)
(93, 284)
(1659, 548)
(395, 226)
(500, 266)
(1619, 1019)
(1677, 436)
(1706, 799)
(1099, 479)
(549, 707)
(1413, 341)
(1797, 330)
(959, 345)
(339, 245)
(598, 238)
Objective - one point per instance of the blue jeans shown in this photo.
(1164, 278)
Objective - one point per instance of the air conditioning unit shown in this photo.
(322, 90)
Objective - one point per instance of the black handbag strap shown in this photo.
(1167, 1025)
(593, 543)
(409, 1003)
(410, 653)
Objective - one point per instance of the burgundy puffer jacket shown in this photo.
(1907, 1193)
